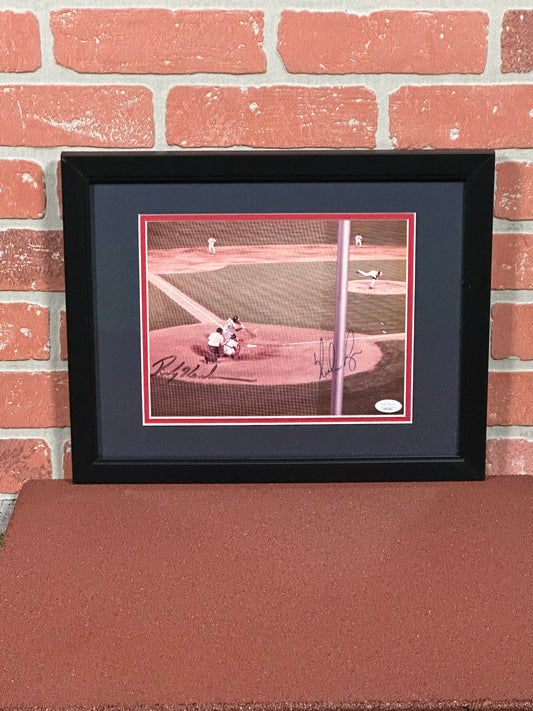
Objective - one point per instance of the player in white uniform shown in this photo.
(374, 273)
(358, 240)
(231, 347)
(231, 326)
(211, 242)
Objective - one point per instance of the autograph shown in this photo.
(166, 368)
(326, 362)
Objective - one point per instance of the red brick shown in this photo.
(24, 332)
(37, 399)
(510, 398)
(514, 191)
(512, 331)
(22, 192)
(509, 457)
(67, 461)
(102, 116)
(22, 460)
(453, 116)
(517, 41)
(394, 41)
(20, 44)
(159, 41)
(63, 335)
(512, 261)
(31, 260)
(271, 117)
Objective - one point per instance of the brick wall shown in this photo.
(268, 76)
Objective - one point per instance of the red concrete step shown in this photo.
(322, 596)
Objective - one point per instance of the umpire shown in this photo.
(215, 340)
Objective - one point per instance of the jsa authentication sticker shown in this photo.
(388, 406)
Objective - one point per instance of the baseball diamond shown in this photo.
(279, 276)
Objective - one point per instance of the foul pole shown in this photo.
(341, 304)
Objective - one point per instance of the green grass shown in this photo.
(300, 294)
(1, 538)
(194, 233)
(164, 312)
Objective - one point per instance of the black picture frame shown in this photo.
(452, 194)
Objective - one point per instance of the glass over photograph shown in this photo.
(277, 318)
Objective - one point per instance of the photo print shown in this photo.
(266, 319)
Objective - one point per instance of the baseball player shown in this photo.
(211, 243)
(231, 326)
(358, 240)
(232, 347)
(215, 340)
(374, 273)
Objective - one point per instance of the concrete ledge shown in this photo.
(269, 597)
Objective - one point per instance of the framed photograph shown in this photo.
(277, 316)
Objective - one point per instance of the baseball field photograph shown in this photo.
(297, 318)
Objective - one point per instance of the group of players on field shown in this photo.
(224, 341)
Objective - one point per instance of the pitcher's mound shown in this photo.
(382, 286)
